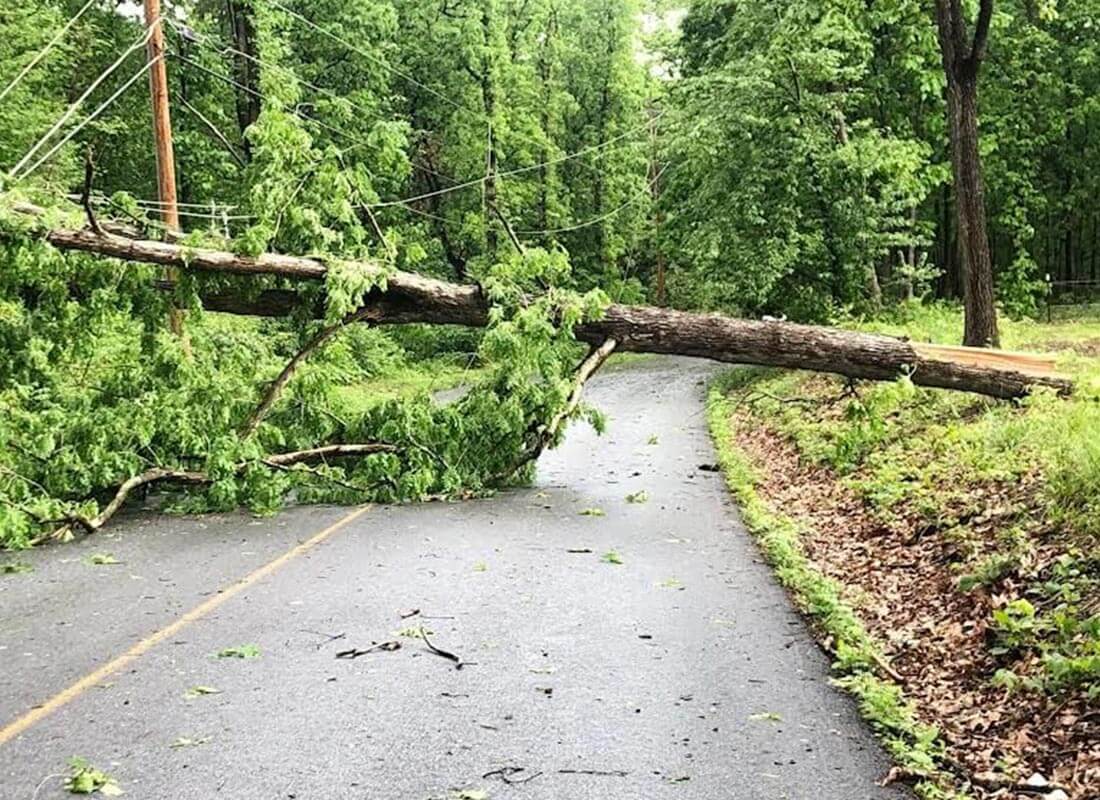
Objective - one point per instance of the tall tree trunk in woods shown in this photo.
(546, 77)
(243, 32)
(661, 265)
(489, 100)
(962, 59)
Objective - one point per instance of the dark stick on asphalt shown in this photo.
(387, 647)
(443, 653)
(506, 773)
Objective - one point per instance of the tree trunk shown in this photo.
(962, 61)
(243, 33)
(489, 101)
(415, 298)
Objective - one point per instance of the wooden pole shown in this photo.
(162, 118)
(162, 138)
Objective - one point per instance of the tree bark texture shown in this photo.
(412, 298)
(962, 60)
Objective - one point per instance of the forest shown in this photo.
(250, 292)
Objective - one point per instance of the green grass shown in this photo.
(407, 381)
(858, 658)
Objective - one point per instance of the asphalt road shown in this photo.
(681, 672)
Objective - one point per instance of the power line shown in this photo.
(102, 107)
(512, 172)
(100, 197)
(141, 41)
(385, 204)
(387, 66)
(45, 50)
(205, 41)
(194, 210)
(565, 229)
(212, 214)
(371, 57)
(603, 217)
(296, 111)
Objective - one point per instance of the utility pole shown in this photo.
(162, 118)
(162, 137)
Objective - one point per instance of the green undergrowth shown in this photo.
(1014, 487)
(410, 380)
(858, 658)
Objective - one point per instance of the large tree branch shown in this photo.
(416, 298)
(195, 478)
(544, 435)
(981, 33)
(275, 389)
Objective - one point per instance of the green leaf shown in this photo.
(638, 497)
(200, 691)
(242, 651)
(86, 779)
(593, 512)
(765, 716)
(103, 559)
(611, 557)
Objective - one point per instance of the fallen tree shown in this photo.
(231, 427)
(410, 298)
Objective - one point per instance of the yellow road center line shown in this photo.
(65, 696)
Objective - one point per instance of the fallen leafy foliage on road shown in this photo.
(962, 534)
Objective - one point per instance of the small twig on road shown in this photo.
(613, 773)
(443, 653)
(506, 773)
(387, 647)
(328, 637)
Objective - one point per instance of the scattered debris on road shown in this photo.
(385, 647)
(459, 663)
(507, 775)
(243, 651)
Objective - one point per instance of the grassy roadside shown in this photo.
(951, 536)
(859, 660)
(439, 375)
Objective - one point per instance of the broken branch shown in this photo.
(275, 389)
(161, 475)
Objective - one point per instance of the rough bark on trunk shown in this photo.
(962, 60)
(489, 101)
(247, 100)
(415, 298)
